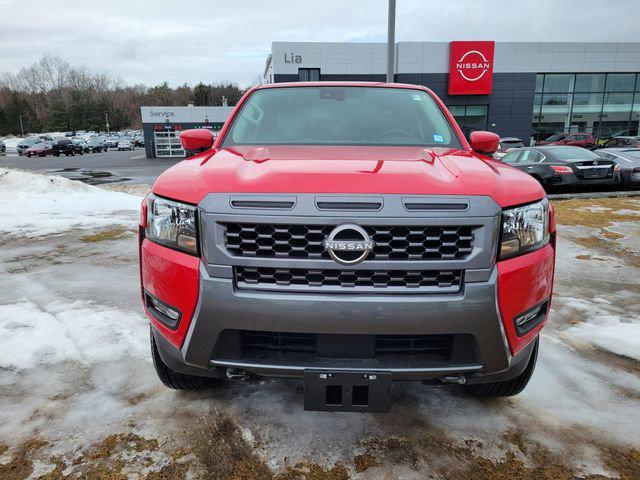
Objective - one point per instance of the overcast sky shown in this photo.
(188, 41)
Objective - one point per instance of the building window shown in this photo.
(308, 74)
(558, 83)
(470, 117)
(590, 82)
(620, 82)
(603, 105)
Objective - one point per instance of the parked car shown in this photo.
(63, 146)
(629, 161)
(112, 142)
(125, 144)
(78, 145)
(41, 149)
(138, 141)
(557, 167)
(95, 145)
(584, 140)
(26, 143)
(3, 147)
(46, 138)
(357, 287)
(506, 144)
(622, 142)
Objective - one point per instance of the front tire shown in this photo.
(506, 388)
(175, 380)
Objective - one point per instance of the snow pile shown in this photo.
(611, 333)
(12, 144)
(35, 205)
(614, 327)
(84, 332)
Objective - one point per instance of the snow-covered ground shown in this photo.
(36, 205)
(75, 372)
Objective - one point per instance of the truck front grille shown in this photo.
(391, 242)
(438, 281)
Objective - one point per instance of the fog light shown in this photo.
(527, 317)
(162, 312)
(527, 321)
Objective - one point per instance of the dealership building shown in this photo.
(528, 90)
(162, 126)
(525, 90)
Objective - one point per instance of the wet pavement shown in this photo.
(127, 166)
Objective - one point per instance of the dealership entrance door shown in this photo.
(167, 144)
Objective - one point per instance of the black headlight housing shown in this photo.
(173, 224)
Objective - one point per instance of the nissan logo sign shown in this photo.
(472, 65)
(348, 244)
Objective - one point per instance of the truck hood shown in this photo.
(344, 170)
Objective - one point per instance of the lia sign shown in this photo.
(471, 68)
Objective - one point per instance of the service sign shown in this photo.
(471, 68)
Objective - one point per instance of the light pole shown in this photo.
(21, 127)
(391, 42)
(106, 117)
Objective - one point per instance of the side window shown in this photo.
(612, 143)
(511, 157)
(626, 141)
(529, 156)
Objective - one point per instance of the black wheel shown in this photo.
(507, 388)
(175, 380)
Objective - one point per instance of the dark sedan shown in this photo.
(629, 161)
(560, 167)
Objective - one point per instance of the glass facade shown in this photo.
(601, 104)
(470, 117)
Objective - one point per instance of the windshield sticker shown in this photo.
(438, 138)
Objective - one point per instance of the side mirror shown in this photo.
(196, 140)
(485, 143)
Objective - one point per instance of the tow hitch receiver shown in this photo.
(347, 391)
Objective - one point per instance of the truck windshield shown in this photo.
(330, 115)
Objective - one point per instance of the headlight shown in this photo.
(524, 229)
(172, 224)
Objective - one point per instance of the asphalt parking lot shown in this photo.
(125, 166)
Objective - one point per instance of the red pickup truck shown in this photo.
(348, 235)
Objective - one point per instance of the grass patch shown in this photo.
(311, 471)
(599, 215)
(596, 213)
(364, 462)
(105, 235)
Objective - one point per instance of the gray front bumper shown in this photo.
(221, 306)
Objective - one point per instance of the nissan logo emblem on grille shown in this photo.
(348, 244)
